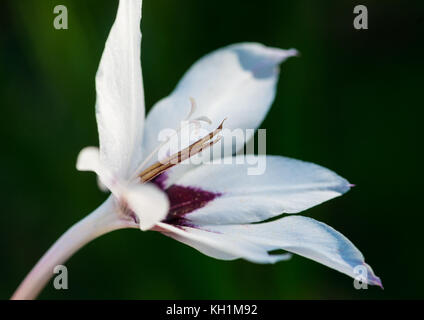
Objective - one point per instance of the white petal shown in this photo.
(306, 237)
(236, 82)
(120, 97)
(101, 185)
(220, 246)
(286, 186)
(89, 160)
(148, 202)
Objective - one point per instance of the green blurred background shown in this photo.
(352, 102)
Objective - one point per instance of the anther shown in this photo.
(187, 121)
(193, 149)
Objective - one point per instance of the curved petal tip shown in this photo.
(88, 159)
(270, 54)
(372, 279)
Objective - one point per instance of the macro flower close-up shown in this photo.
(209, 207)
(204, 166)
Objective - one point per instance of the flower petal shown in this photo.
(306, 237)
(120, 97)
(219, 246)
(148, 202)
(236, 82)
(286, 186)
(89, 160)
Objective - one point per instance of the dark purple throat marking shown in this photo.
(160, 181)
(183, 200)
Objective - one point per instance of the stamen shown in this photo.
(188, 123)
(195, 148)
(203, 118)
(193, 108)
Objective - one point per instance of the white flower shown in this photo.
(215, 208)
(212, 206)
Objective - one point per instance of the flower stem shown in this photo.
(102, 220)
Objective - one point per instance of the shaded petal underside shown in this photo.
(296, 234)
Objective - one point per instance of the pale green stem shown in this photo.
(103, 220)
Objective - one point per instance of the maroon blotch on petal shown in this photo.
(183, 200)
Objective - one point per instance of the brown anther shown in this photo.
(159, 167)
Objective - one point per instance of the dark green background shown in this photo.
(352, 102)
